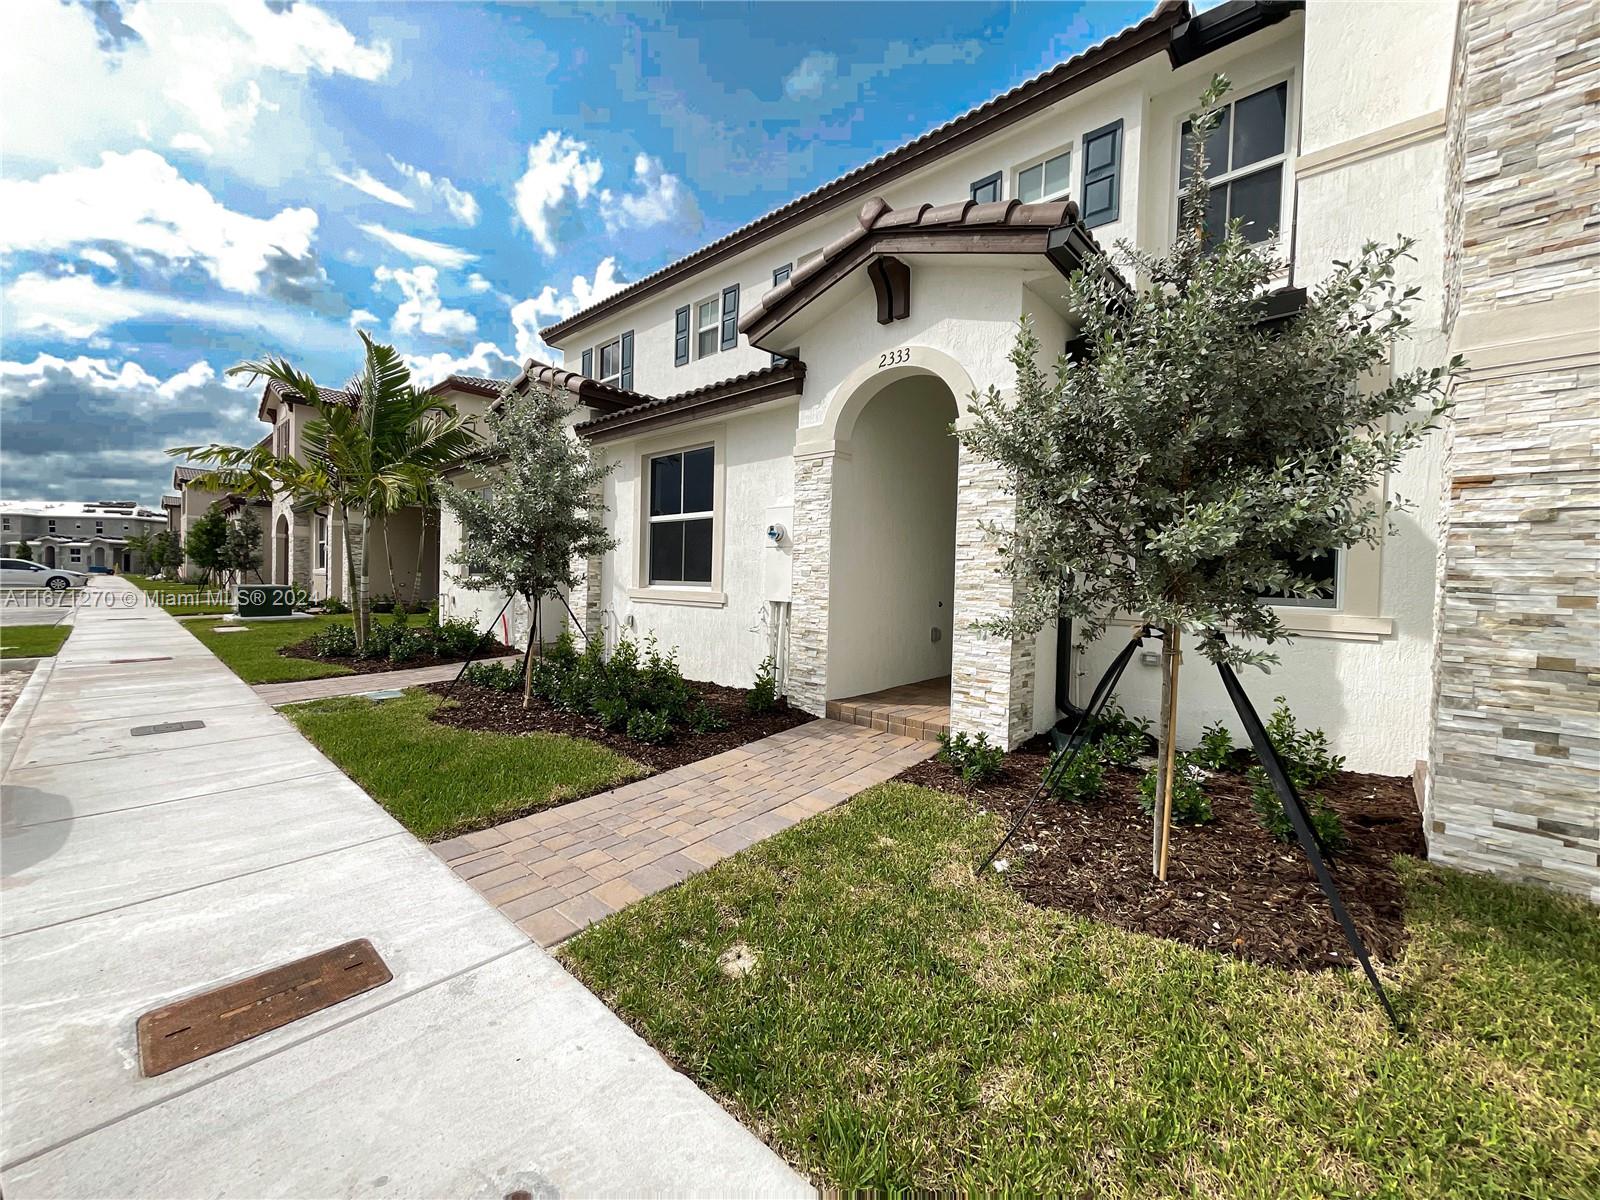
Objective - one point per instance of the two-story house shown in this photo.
(76, 534)
(778, 403)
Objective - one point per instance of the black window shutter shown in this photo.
(730, 317)
(987, 189)
(588, 364)
(1102, 175)
(680, 336)
(626, 382)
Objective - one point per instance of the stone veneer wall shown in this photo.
(807, 683)
(991, 677)
(1514, 770)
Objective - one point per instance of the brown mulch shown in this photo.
(502, 712)
(1231, 888)
(376, 666)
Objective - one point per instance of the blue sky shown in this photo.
(189, 185)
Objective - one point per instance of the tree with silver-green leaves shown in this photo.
(537, 511)
(1193, 459)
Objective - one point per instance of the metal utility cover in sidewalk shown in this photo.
(176, 1034)
(165, 727)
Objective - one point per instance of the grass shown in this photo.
(253, 655)
(32, 641)
(180, 599)
(440, 782)
(906, 1025)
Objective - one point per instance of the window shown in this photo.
(611, 363)
(707, 327)
(322, 542)
(987, 189)
(99, 526)
(779, 275)
(730, 317)
(7, 522)
(1047, 180)
(1245, 156)
(1321, 566)
(1101, 202)
(76, 554)
(682, 486)
(586, 364)
(52, 526)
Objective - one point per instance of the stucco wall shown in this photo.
(893, 554)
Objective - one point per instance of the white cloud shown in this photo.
(477, 283)
(811, 75)
(422, 311)
(102, 375)
(584, 292)
(486, 359)
(558, 167)
(362, 317)
(363, 181)
(205, 73)
(140, 201)
(415, 247)
(98, 258)
(193, 143)
(463, 205)
(75, 306)
(658, 198)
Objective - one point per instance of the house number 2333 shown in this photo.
(893, 358)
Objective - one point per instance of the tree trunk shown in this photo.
(527, 656)
(388, 560)
(360, 604)
(422, 547)
(1166, 750)
(364, 587)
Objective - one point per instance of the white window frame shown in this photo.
(75, 554)
(322, 541)
(696, 329)
(52, 525)
(1279, 244)
(7, 522)
(1334, 603)
(695, 595)
(1039, 161)
(99, 526)
(615, 378)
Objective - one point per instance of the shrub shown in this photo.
(763, 697)
(381, 604)
(1113, 722)
(650, 727)
(705, 719)
(1215, 751)
(336, 641)
(612, 711)
(660, 685)
(1190, 804)
(457, 638)
(1120, 749)
(1083, 777)
(976, 758)
(495, 676)
(334, 606)
(1309, 763)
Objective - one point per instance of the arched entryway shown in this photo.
(280, 550)
(99, 556)
(892, 576)
(49, 556)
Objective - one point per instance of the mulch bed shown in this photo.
(377, 666)
(1231, 888)
(502, 712)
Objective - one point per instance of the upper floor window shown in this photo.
(7, 523)
(99, 526)
(779, 275)
(52, 526)
(1048, 179)
(987, 189)
(707, 326)
(611, 362)
(1246, 154)
(682, 499)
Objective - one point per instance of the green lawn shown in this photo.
(254, 656)
(440, 782)
(179, 599)
(905, 1025)
(32, 641)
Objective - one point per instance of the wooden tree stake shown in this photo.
(1174, 661)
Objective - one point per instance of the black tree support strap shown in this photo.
(1295, 810)
(476, 646)
(1076, 742)
(574, 616)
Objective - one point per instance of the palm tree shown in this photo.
(378, 446)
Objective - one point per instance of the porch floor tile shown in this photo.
(916, 710)
(561, 870)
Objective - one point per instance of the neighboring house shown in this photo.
(306, 546)
(194, 502)
(172, 505)
(778, 402)
(77, 534)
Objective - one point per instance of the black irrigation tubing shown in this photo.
(1075, 742)
(476, 646)
(1295, 810)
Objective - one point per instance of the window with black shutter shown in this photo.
(779, 274)
(587, 370)
(987, 189)
(1102, 175)
(730, 317)
(680, 336)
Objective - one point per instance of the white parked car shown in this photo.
(17, 572)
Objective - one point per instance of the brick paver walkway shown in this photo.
(277, 694)
(557, 871)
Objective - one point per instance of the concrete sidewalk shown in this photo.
(298, 692)
(143, 869)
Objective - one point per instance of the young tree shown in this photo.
(241, 551)
(25, 551)
(206, 545)
(166, 553)
(1194, 457)
(374, 448)
(539, 512)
